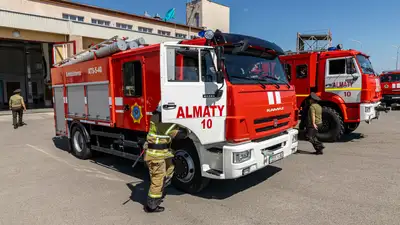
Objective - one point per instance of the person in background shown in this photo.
(17, 106)
(314, 123)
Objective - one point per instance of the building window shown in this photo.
(197, 19)
(73, 17)
(193, 36)
(101, 22)
(132, 78)
(124, 26)
(178, 35)
(145, 29)
(164, 33)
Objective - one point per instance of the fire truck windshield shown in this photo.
(365, 64)
(390, 78)
(246, 69)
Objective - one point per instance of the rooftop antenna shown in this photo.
(146, 14)
(157, 16)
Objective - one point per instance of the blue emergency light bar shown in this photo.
(208, 34)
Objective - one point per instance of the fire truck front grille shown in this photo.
(267, 128)
(272, 118)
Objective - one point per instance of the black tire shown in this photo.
(80, 147)
(333, 126)
(187, 176)
(351, 127)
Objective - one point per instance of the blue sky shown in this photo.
(371, 22)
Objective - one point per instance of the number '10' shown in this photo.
(206, 123)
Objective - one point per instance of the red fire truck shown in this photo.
(346, 83)
(239, 120)
(390, 84)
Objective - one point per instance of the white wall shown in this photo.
(215, 16)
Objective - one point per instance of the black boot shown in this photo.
(158, 209)
(15, 126)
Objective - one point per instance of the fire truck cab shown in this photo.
(239, 120)
(390, 84)
(346, 83)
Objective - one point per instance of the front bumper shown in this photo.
(391, 98)
(263, 153)
(371, 111)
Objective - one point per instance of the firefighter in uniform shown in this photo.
(159, 158)
(17, 105)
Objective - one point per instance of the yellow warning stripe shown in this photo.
(302, 95)
(342, 89)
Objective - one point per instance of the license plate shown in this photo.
(276, 157)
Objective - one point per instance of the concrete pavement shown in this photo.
(356, 181)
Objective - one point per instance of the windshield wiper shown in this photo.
(274, 78)
(247, 78)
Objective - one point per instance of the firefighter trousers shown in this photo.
(161, 172)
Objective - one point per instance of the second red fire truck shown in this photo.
(345, 81)
(240, 120)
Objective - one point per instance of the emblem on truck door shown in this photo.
(136, 113)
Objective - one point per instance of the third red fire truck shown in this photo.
(240, 119)
(390, 84)
(346, 82)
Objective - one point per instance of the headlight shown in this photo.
(239, 157)
(294, 138)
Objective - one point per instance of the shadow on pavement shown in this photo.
(352, 137)
(217, 189)
(302, 152)
(345, 138)
(222, 189)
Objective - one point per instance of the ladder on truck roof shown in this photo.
(102, 49)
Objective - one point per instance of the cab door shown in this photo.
(133, 95)
(343, 78)
(188, 85)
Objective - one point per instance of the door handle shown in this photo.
(170, 105)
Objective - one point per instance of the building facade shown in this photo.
(208, 14)
(34, 34)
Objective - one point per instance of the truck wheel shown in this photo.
(187, 176)
(79, 144)
(332, 125)
(350, 127)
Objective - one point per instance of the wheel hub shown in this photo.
(78, 141)
(184, 166)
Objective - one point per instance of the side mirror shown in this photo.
(220, 75)
(350, 67)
